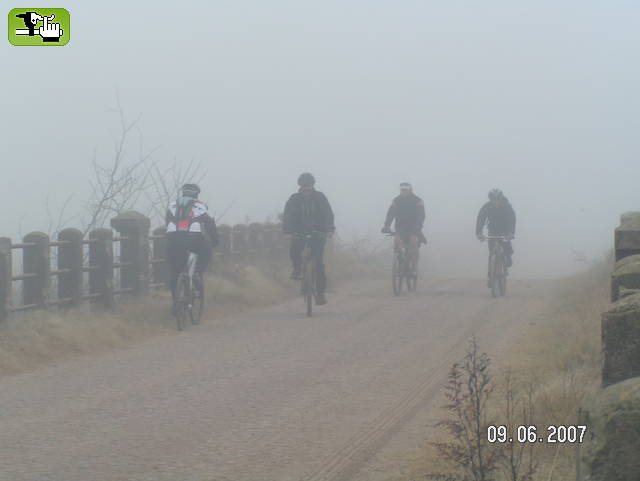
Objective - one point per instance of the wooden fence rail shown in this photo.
(84, 267)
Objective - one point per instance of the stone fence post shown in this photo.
(627, 235)
(5, 278)
(224, 242)
(609, 451)
(269, 238)
(36, 263)
(159, 259)
(240, 242)
(255, 245)
(133, 228)
(626, 277)
(101, 267)
(282, 242)
(70, 267)
(621, 340)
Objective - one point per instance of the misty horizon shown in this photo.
(455, 98)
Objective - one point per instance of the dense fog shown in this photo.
(539, 99)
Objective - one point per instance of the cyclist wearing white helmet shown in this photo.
(407, 210)
(190, 228)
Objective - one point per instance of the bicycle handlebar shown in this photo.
(310, 234)
(502, 237)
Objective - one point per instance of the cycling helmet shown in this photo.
(190, 190)
(495, 194)
(406, 185)
(306, 180)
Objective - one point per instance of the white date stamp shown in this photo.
(531, 434)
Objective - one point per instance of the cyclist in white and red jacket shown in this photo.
(190, 228)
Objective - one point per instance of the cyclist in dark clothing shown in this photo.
(308, 211)
(500, 219)
(407, 210)
(190, 228)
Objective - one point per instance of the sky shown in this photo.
(538, 98)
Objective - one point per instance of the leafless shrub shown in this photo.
(468, 390)
(473, 407)
(518, 461)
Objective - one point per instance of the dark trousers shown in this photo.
(179, 245)
(317, 250)
(412, 243)
(508, 250)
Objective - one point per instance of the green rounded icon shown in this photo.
(48, 27)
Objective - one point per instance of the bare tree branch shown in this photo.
(117, 185)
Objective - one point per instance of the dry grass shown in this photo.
(37, 339)
(559, 356)
(42, 338)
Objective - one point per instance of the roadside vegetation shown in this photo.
(42, 338)
(541, 381)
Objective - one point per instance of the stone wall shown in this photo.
(611, 447)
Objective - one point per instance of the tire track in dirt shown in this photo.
(346, 460)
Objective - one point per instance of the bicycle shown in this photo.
(308, 286)
(189, 297)
(498, 270)
(401, 271)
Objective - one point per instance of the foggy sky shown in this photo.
(537, 98)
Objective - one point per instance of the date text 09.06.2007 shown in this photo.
(531, 434)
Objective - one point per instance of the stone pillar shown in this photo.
(626, 277)
(610, 448)
(627, 235)
(36, 261)
(240, 242)
(621, 340)
(255, 231)
(5, 278)
(269, 236)
(70, 259)
(101, 267)
(160, 269)
(134, 251)
(224, 245)
(282, 242)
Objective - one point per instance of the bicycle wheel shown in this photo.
(396, 274)
(311, 295)
(502, 280)
(496, 275)
(412, 282)
(181, 306)
(411, 275)
(197, 299)
(310, 287)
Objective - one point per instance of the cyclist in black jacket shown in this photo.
(500, 219)
(407, 210)
(305, 212)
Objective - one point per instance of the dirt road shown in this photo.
(265, 396)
